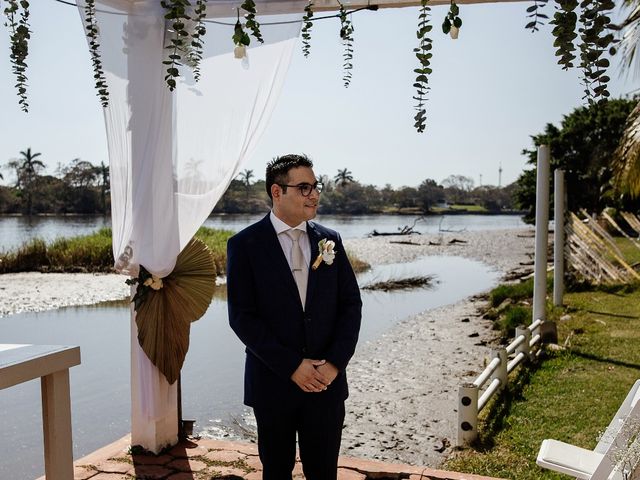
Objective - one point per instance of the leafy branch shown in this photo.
(176, 11)
(307, 23)
(94, 49)
(594, 21)
(564, 32)
(452, 22)
(19, 37)
(534, 12)
(423, 54)
(252, 24)
(346, 34)
(194, 56)
(240, 37)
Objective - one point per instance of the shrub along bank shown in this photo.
(92, 253)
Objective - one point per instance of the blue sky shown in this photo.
(491, 89)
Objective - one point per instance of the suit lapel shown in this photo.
(276, 256)
(314, 238)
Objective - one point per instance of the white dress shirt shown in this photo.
(287, 243)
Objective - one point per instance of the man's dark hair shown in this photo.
(278, 168)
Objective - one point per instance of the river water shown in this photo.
(212, 374)
(16, 230)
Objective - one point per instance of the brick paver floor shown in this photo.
(217, 459)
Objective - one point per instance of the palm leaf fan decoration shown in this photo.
(164, 317)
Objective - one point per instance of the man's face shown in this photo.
(291, 207)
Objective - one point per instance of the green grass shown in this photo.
(514, 291)
(570, 396)
(630, 250)
(469, 208)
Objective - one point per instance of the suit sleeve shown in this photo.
(349, 312)
(245, 320)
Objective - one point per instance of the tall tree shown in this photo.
(102, 172)
(245, 177)
(343, 177)
(27, 168)
(582, 146)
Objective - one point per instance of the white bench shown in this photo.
(600, 463)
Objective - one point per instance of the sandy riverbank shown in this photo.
(404, 384)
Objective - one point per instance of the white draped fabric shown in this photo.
(173, 154)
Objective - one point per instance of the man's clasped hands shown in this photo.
(314, 375)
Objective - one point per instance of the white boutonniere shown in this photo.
(326, 253)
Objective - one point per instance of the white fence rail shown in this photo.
(494, 378)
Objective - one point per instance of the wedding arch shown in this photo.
(183, 113)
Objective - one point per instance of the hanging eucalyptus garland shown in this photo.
(194, 57)
(452, 22)
(176, 12)
(564, 32)
(20, 34)
(535, 13)
(594, 21)
(252, 24)
(240, 37)
(423, 54)
(91, 26)
(346, 34)
(307, 23)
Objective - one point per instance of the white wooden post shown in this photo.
(558, 237)
(501, 372)
(467, 414)
(524, 346)
(542, 234)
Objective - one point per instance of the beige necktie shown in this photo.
(298, 267)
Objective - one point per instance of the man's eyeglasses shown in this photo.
(305, 188)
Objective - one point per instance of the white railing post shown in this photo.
(501, 372)
(558, 237)
(524, 346)
(467, 414)
(542, 234)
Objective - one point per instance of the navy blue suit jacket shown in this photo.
(266, 313)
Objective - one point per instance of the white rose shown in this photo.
(328, 257)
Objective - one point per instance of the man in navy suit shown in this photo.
(298, 313)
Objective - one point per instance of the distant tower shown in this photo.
(480, 179)
(500, 175)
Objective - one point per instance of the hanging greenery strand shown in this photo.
(240, 37)
(91, 26)
(594, 20)
(252, 24)
(423, 54)
(534, 12)
(564, 32)
(20, 34)
(197, 38)
(176, 12)
(346, 34)
(452, 22)
(307, 23)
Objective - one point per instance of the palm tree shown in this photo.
(27, 168)
(102, 171)
(245, 177)
(343, 177)
(626, 159)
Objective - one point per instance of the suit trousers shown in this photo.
(317, 418)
